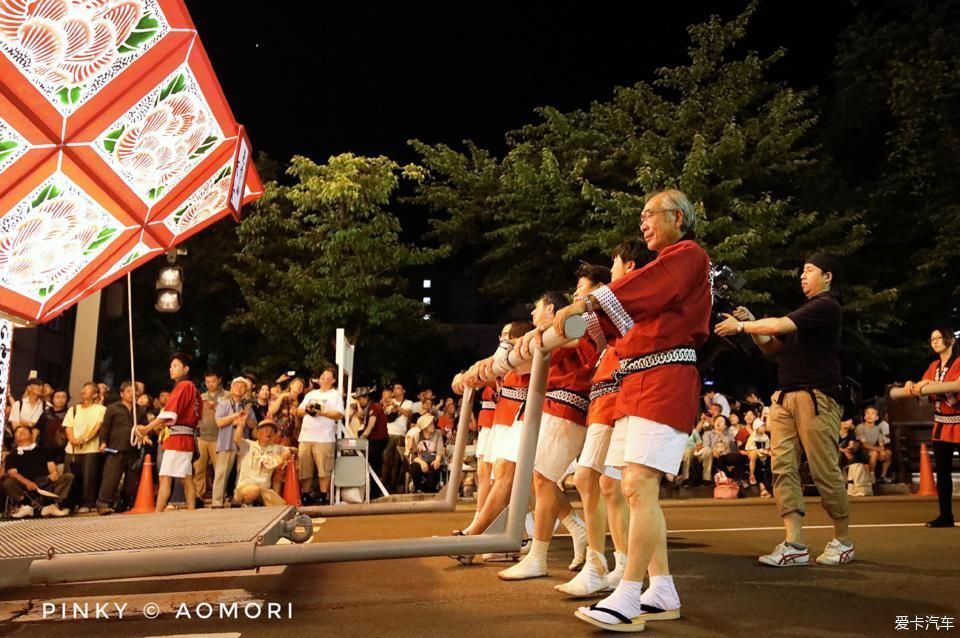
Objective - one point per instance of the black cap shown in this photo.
(35, 381)
(829, 263)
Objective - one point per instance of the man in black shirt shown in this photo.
(805, 409)
(30, 469)
(121, 455)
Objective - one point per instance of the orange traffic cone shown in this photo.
(291, 485)
(927, 485)
(145, 503)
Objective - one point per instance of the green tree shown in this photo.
(325, 253)
(572, 185)
(892, 147)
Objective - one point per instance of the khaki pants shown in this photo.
(315, 457)
(796, 423)
(249, 494)
(208, 456)
(706, 462)
(221, 472)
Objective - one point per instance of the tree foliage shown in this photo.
(325, 253)
(572, 185)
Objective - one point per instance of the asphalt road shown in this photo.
(901, 569)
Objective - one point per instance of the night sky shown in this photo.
(325, 78)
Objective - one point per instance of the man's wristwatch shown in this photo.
(587, 302)
(740, 328)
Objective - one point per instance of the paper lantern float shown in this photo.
(116, 144)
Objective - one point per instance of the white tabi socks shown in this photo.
(578, 532)
(591, 579)
(620, 564)
(533, 564)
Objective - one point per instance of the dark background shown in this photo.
(322, 79)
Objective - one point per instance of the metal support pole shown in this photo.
(445, 501)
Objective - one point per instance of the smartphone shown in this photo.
(109, 450)
(291, 373)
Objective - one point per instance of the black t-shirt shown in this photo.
(31, 465)
(849, 437)
(810, 357)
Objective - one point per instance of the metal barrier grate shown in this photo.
(82, 534)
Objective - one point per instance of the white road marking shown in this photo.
(233, 635)
(780, 528)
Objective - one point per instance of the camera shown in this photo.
(726, 284)
(313, 409)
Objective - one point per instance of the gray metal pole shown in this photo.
(927, 390)
(445, 501)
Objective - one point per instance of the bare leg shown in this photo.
(483, 482)
(648, 534)
(594, 512)
(793, 525)
(550, 503)
(497, 499)
(163, 493)
(618, 515)
(189, 492)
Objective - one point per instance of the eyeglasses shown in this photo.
(647, 215)
(936, 339)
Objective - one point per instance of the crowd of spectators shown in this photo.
(62, 455)
(732, 436)
(84, 455)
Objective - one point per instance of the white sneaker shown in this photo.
(784, 555)
(23, 512)
(82, 510)
(836, 553)
(53, 510)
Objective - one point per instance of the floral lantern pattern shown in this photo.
(116, 143)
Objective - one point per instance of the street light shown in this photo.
(169, 285)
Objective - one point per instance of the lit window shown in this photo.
(426, 301)
(426, 283)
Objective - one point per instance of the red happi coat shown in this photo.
(571, 369)
(664, 305)
(508, 410)
(184, 401)
(602, 408)
(946, 408)
(488, 401)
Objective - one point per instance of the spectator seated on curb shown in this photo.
(873, 441)
(258, 461)
(723, 447)
(29, 470)
(758, 452)
(697, 452)
(427, 457)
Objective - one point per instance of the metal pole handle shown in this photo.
(931, 388)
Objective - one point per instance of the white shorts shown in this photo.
(176, 463)
(645, 442)
(505, 442)
(558, 445)
(483, 444)
(595, 447)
